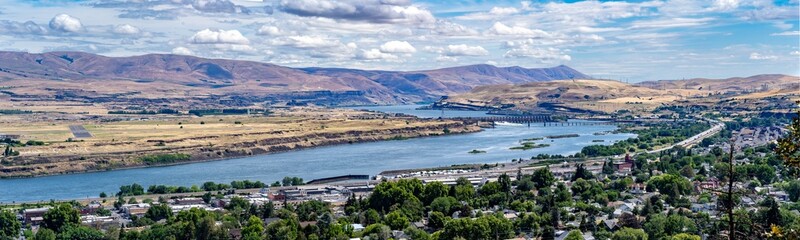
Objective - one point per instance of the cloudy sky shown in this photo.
(625, 40)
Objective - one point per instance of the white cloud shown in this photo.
(787, 33)
(182, 51)
(758, 56)
(503, 10)
(375, 54)
(501, 29)
(494, 13)
(795, 53)
(543, 54)
(464, 50)
(448, 28)
(303, 41)
(126, 29)
(208, 36)
(269, 30)
(397, 47)
(725, 5)
(66, 23)
(671, 23)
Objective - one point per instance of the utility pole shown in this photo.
(729, 202)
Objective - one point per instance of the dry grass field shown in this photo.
(122, 144)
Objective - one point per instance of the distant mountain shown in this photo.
(166, 75)
(757, 83)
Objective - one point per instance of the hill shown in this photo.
(85, 76)
(610, 96)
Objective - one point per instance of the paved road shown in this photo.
(79, 131)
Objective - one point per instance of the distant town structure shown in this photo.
(10, 136)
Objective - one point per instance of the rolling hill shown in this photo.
(165, 76)
(610, 96)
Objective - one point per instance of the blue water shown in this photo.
(362, 158)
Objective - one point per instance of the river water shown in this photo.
(362, 158)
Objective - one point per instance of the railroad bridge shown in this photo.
(537, 118)
(545, 120)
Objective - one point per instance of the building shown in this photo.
(626, 166)
(139, 209)
(34, 216)
(189, 201)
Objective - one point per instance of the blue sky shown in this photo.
(625, 40)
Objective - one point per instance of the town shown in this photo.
(676, 192)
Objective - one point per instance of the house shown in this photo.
(138, 209)
(624, 167)
(34, 216)
(357, 227)
(610, 224)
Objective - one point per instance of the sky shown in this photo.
(625, 40)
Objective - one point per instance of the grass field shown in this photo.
(121, 144)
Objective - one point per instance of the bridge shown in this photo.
(540, 118)
(546, 120)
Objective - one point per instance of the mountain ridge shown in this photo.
(225, 76)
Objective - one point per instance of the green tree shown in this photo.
(59, 216)
(446, 205)
(685, 236)
(789, 146)
(78, 232)
(543, 178)
(45, 234)
(9, 225)
(574, 235)
(629, 234)
(433, 191)
(793, 189)
(396, 220)
(156, 212)
(437, 220)
(237, 203)
(254, 228)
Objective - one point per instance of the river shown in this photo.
(362, 158)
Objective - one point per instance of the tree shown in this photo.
(789, 146)
(396, 220)
(254, 228)
(608, 167)
(9, 225)
(793, 189)
(436, 220)
(434, 190)
(574, 235)
(543, 178)
(237, 202)
(59, 216)
(78, 232)
(446, 205)
(582, 173)
(156, 212)
(45, 234)
(685, 236)
(629, 234)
